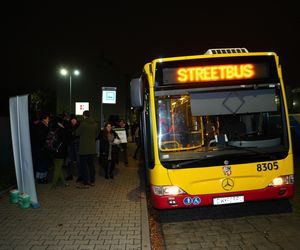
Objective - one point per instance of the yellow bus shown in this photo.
(215, 128)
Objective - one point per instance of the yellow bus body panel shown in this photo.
(208, 180)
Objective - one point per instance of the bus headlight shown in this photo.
(282, 180)
(167, 190)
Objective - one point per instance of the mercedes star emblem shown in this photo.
(227, 184)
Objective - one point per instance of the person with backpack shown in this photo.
(58, 146)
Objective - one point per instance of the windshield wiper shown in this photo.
(184, 163)
(252, 150)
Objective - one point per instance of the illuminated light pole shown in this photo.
(65, 72)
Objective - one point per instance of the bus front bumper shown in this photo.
(186, 200)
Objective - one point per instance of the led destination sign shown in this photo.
(215, 73)
(244, 70)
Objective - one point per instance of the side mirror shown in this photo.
(136, 93)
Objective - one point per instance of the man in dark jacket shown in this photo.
(44, 157)
(87, 132)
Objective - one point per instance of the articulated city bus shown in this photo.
(215, 129)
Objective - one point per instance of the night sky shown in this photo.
(118, 39)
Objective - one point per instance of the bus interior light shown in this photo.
(167, 190)
(282, 180)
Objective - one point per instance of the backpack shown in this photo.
(52, 142)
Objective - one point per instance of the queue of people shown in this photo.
(60, 143)
(52, 141)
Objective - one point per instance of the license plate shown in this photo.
(228, 200)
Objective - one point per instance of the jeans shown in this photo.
(73, 156)
(87, 168)
(123, 153)
(109, 167)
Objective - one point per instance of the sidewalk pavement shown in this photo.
(110, 215)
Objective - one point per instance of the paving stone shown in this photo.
(71, 218)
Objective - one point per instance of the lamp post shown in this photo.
(65, 72)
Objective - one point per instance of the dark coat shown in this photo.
(87, 132)
(42, 133)
(73, 138)
(62, 142)
(104, 147)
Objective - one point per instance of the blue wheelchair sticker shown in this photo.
(196, 200)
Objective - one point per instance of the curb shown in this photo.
(146, 243)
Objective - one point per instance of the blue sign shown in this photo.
(109, 95)
(187, 201)
(196, 200)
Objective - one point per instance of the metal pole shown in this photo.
(101, 110)
(70, 106)
(102, 116)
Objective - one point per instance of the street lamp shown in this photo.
(65, 72)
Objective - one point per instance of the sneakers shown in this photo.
(82, 186)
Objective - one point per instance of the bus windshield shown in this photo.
(208, 124)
